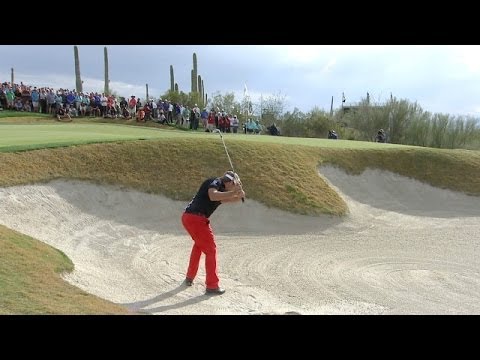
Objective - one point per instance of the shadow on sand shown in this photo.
(140, 306)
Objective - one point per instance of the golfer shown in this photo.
(195, 219)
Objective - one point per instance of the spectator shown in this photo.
(35, 96)
(62, 114)
(273, 130)
(141, 115)
(132, 106)
(381, 136)
(332, 134)
(234, 124)
(204, 117)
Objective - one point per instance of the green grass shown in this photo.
(18, 137)
(13, 115)
(276, 171)
(39, 136)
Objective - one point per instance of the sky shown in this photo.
(440, 78)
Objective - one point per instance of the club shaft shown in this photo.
(229, 159)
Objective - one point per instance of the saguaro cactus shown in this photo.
(193, 81)
(172, 79)
(195, 74)
(107, 81)
(176, 87)
(78, 79)
(13, 78)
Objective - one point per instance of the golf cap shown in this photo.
(230, 176)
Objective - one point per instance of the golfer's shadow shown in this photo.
(139, 306)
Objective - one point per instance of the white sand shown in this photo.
(404, 248)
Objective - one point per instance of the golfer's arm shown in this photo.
(223, 196)
(235, 199)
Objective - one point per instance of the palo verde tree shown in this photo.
(313, 124)
(179, 98)
(272, 107)
(225, 103)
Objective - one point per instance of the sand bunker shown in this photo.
(404, 248)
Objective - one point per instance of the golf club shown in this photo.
(230, 160)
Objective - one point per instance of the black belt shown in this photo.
(196, 213)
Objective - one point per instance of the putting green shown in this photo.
(30, 136)
(17, 137)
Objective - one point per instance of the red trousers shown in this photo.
(204, 242)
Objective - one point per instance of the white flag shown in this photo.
(245, 91)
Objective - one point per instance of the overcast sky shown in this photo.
(440, 78)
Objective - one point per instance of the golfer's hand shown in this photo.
(238, 190)
(240, 193)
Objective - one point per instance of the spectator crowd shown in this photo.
(70, 104)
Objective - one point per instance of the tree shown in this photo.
(272, 107)
(180, 98)
(314, 124)
(246, 106)
(439, 130)
(225, 103)
(418, 131)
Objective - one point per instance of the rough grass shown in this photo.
(281, 176)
